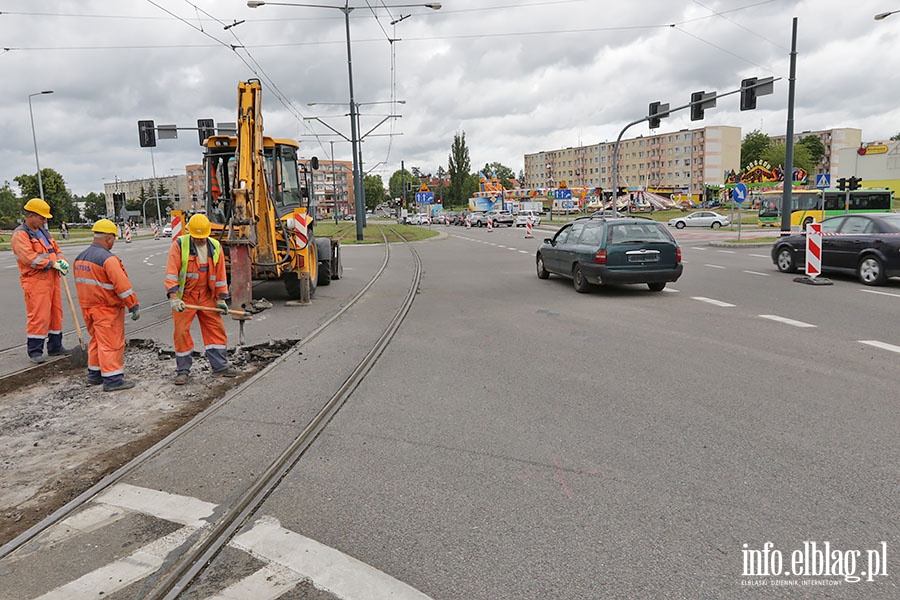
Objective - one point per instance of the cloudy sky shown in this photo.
(516, 76)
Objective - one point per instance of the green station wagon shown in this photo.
(596, 250)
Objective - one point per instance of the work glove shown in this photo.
(61, 266)
(135, 313)
(177, 304)
(221, 305)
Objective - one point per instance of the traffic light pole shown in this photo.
(666, 113)
(788, 187)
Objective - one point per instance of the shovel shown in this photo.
(78, 358)
(237, 313)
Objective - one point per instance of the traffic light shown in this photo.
(700, 101)
(842, 184)
(656, 112)
(748, 93)
(147, 134)
(206, 128)
(853, 183)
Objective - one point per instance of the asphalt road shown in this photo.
(520, 440)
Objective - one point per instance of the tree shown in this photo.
(395, 185)
(815, 147)
(10, 207)
(55, 193)
(895, 137)
(374, 189)
(470, 187)
(94, 206)
(754, 146)
(503, 173)
(459, 167)
(774, 155)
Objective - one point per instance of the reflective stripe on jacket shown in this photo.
(34, 255)
(101, 280)
(183, 268)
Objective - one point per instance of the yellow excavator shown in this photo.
(260, 202)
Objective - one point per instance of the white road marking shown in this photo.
(713, 302)
(758, 255)
(881, 345)
(699, 248)
(524, 251)
(787, 321)
(328, 569)
(881, 293)
(715, 266)
(726, 251)
(290, 557)
(757, 273)
(670, 290)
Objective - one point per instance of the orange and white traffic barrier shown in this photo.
(490, 224)
(156, 232)
(468, 222)
(127, 234)
(813, 250)
(528, 228)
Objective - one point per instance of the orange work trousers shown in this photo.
(215, 339)
(43, 305)
(106, 350)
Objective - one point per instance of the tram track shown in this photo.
(184, 568)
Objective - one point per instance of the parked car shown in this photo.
(501, 217)
(596, 250)
(478, 218)
(524, 215)
(701, 218)
(609, 214)
(167, 231)
(866, 245)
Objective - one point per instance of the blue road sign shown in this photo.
(425, 197)
(739, 193)
(562, 194)
(823, 181)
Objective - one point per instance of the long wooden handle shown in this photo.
(239, 313)
(72, 306)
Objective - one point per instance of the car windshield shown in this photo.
(635, 233)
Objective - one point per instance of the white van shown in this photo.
(523, 216)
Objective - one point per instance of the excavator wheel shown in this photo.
(323, 250)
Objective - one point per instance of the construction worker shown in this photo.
(195, 274)
(104, 293)
(41, 264)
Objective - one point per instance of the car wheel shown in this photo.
(871, 270)
(657, 286)
(581, 284)
(542, 273)
(784, 260)
(716, 225)
(679, 225)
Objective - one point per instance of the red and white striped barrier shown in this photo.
(528, 228)
(490, 224)
(127, 234)
(468, 222)
(813, 250)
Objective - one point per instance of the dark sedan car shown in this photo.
(596, 250)
(867, 245)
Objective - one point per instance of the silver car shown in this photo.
(701, 218)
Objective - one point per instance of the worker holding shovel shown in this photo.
(196, 286)
(104, 293)
(41, 264)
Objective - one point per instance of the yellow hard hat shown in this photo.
(198, 226)
(38, 207)
(104, 226)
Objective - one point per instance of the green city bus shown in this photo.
(808, 206)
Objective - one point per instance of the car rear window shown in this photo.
(620, 233)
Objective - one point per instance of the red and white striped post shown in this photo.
(490, 223)
(813, 250)
(127, 234)
(528, 227)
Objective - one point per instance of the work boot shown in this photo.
(229, 372)
(125, 384)
(38, 359)
(92, 381)
(181, 378)
(61, 352)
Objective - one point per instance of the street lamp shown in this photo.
(885, 15)
(34, 137)
(359, 190)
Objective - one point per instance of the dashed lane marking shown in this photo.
(758, 255)
(715, 266)
(881, 293)
(289, 558)
(758, 273)
(726, 251)
(787, 321)
(712, 301)
(882, 345)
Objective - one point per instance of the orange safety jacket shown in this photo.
(101, 280)
(35, 253)
(182, 278)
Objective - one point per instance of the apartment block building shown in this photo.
(834, 141)
(176, 186)
(333, 186)
(682, 161)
